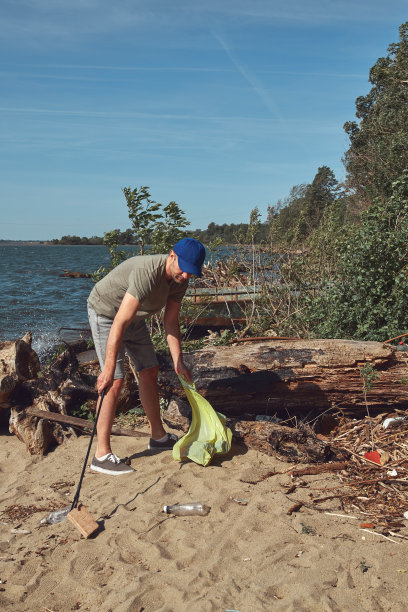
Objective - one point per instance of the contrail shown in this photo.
(258, 88)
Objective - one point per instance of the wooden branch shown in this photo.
(295, 508)
(81, 423)
(336, 466)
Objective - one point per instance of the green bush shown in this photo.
(367, 298)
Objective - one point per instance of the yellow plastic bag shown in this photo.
(208, 434)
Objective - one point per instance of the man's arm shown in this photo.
(123, 318)
(172, 330)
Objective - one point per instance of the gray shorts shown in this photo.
(136, 343)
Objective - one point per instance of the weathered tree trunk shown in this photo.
(18, 362)
(287, 377)
(61, 388)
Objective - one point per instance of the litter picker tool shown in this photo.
(76, 512)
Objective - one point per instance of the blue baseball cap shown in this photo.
(191, 255)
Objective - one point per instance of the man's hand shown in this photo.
(183, 370)
(104, 381)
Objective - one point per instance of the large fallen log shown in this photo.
(294, 377)
(291, 379)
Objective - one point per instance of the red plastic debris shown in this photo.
(373, 456)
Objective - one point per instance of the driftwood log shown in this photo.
(294, 377)
(62, 387)
(296, 381)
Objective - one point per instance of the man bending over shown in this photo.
(117, 306)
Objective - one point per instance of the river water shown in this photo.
(35, 298)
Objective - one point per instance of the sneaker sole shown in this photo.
(101, 470)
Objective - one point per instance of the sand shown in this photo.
(247, 555)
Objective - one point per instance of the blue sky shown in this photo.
(219, 105)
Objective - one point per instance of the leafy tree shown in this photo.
(111, 240)
(299, 215)
(169, 229)
(126, 237)
(367, 298)
(254, 225)
(319, 195)
(378, 151)
(143, 212)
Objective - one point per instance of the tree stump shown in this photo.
(18, 362)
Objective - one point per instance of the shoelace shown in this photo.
(113, 458)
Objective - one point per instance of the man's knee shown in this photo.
(116, 387)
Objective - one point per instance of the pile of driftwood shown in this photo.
(277, 394)
(376, 481)
(38, 401)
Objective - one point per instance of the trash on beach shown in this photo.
(295, 508)
(241, 502)
(308, 529)
(392, 473)
(393, 422)
(373, 456)
(57, 516)
(405, 515)
(208, 434)
(379, 457)
(192, 508)
(20, 531)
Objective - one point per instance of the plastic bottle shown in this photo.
(187, 509)
(56, 516)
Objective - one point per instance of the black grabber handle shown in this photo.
(76, 498)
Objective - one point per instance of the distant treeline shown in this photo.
(227, 233)
(125, 237)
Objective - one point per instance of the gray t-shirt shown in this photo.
(144, 277)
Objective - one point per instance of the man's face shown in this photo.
(176, 273)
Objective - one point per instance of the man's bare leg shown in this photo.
(149, 396)
(106, 417)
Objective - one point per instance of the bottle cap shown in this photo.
(166, 509)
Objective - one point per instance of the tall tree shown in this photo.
(378, 151)
(320, 194)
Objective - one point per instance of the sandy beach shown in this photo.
(248, 554)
